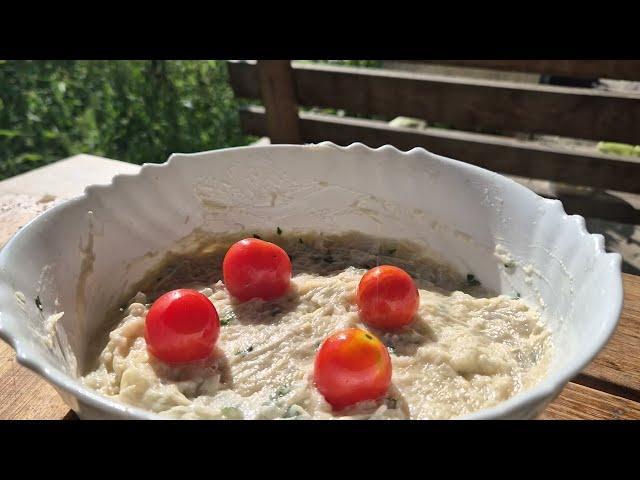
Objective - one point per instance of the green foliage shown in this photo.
(135, 111)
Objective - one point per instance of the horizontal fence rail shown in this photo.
(501, 154)
(613, 69)
(343, 131)
(464, 103)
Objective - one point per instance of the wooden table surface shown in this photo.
(609, 388)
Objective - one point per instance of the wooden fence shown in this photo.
(468, 106)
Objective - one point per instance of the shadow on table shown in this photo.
(71, 415)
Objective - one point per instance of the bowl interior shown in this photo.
(82, 256)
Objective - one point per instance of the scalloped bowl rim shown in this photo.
(549, 387)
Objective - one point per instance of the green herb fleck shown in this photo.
(317, 343)
(300, 241)
(368, 336)
(516, 295)
(227, 318)
(391, 251)
(250, 349)
(278, 230)
(255, 235)
(472, 280)
(280, 392)
(38, 303)
(509, 265)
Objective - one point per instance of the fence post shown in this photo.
(277, 88)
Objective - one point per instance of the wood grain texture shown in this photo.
(23, 394)
(278, 94)
(577, 402)
(464, 103)
(66, 178)
(618, 363)
(614, 69)
(18, 209)
(497, 153)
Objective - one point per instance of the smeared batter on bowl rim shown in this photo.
(467, 349)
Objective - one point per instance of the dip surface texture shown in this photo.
(465, 350)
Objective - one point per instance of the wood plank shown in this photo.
(577, 402)
(71, 176)
(614, 69)
(25, 395)
(278, 95)
(500, 154)
(465, 103)
(502, 75)
(617, 368)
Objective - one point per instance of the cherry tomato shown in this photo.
(181, 326)
(387, 297)
(253, 268)
(352, 366)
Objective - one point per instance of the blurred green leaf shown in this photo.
(135, 111)
(618, 148)
(28, 157)
(9, 133)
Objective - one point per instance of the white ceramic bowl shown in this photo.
(81, 262)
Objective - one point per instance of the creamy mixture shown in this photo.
(466, 349)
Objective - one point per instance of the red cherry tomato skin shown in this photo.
(352, 366)
(387, 298)
(253, 268)
(181, 326)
